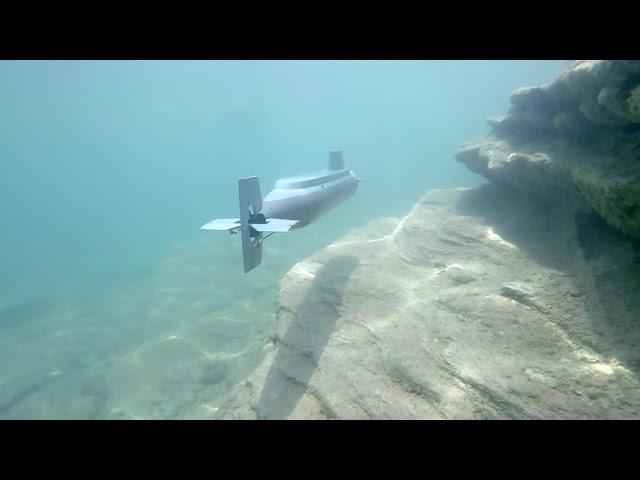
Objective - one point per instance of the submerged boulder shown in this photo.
(479, 304)
(576, 139)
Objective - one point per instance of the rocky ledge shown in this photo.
(576, 139)
(479, 304)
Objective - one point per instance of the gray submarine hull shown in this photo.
(293, 203)
(307, 200)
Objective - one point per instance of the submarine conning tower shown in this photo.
(336, 161)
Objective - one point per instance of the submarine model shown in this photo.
(294, 202)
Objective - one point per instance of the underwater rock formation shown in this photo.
(514, 300)
(481, 303)
(576, 139)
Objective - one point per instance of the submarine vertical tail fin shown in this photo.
(250, 204)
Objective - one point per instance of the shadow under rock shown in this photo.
(542, 229)
(602, 263)
(305, 339)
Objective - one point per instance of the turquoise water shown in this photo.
(113, 303)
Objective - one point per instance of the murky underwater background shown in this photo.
(113, 304)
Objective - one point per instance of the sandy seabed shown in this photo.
(169, 341)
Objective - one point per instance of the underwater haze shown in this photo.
(113, 303)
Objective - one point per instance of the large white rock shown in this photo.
(478, 304)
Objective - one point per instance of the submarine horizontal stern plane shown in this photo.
(294, 202)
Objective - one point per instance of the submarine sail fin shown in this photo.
(222, 224)
(279, 225)
(336, 160)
